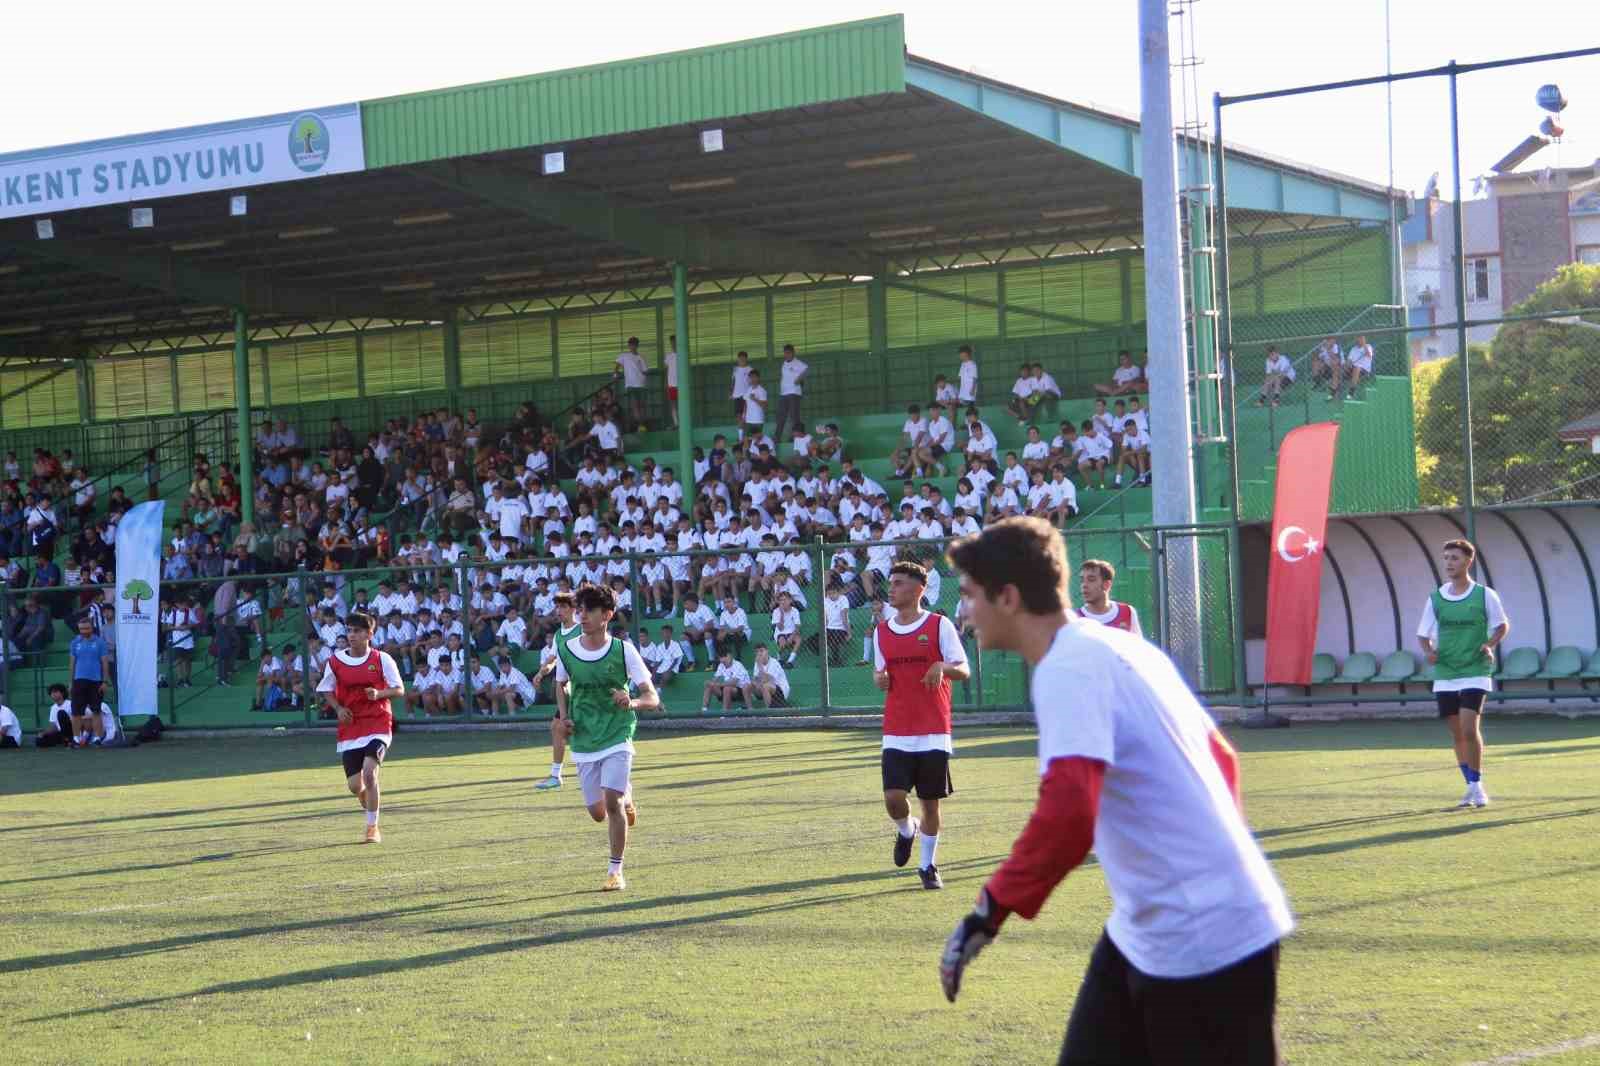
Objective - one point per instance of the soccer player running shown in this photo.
(1132, 766)
(359, 681)
(915, 655)
(598, 716)
(1095, 578)
(1461, 624)
(567, 627)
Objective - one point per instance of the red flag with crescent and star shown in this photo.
(1299, 527)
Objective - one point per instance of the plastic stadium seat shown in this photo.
(1323, 668)
(1398, 668)
(1520, 664)
(1359, 668)
(1564, 662)
(1593, 669)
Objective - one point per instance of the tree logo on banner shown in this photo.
(309, 142)
(134, 591)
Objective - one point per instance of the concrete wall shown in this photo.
(1535, 242)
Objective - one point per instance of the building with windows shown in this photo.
(1525, 228)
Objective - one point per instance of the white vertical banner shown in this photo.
(138, 603)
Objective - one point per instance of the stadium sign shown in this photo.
(229, 155)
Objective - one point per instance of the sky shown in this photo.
(95, 69)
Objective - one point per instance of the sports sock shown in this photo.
(930, 845)
(711, 649)
(372, 817)
(1466, 772)
(1474, 776)
(904, 825)
(615, 866)
(555, 769)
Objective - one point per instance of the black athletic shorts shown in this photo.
(356, 758)
(1123, 1017)
(85, 697)
(927, 773)
(1453, 703)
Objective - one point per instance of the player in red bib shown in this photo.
(359, 684)
(916, 654)
(1094, 589)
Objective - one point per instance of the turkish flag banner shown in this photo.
(1299, 526)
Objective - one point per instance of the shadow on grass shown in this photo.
(26, 963)
(1471, 821)
(252, 853)
(429, 960)
(1455, 890)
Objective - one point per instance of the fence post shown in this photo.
(464, 591)
(1158, 562)
(1236, 608)
(5, 649)
(307, 685)
(633, 590)
(823, 650)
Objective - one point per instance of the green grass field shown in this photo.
(206, 900)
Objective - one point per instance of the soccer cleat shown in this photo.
(548, 783)
(902, 844)
(630, 811)
(1479, 797)
(614, 883)
(930, 877)
(374, 835)
(1466, 798)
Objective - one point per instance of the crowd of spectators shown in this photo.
(489, 527)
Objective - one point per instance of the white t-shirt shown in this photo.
(10, 727)
(1036, 450)
(1429, 627)
(773, 671)
(789, 371)
(1136, 441)
(1361, 356)
(512, 512)
(1281, 364)
(1095, 447)
(968, 374)
(942, 432)
(638, 674)
(1191, 891)
(734, 619)
(950, 650)
(633, 370)
(733, 673)
(607, 435)
(741, 381)
(755, 404)
(1063, 491)
(1125, 374)
(1024, 388)
(785, 622)
(1110, 616)
(836, 612)
(915, 429)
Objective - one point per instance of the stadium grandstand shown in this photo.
(416, 353)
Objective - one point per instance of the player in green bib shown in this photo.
(567, 627)
(598, 716)
(1461, 625)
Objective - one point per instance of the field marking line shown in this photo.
(1575, 1044)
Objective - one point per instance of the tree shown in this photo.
(1532, 379)
(136, 590)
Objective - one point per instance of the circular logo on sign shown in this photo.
(308, 143)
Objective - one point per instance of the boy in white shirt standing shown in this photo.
(632, 370)
(967, 375)
(755, 407)
(741, 384)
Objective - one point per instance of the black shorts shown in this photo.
(356, 758)
(1127, 1017)
(1453, 703)
(85, 697)
(937, 451)
(925, 772)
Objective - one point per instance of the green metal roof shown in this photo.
(844, 61)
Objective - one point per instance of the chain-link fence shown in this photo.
(782, 630)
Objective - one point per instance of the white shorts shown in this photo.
(610, 772)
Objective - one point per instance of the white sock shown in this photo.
(372, 817)
(930, 844)
(711, 649)
(614, 866)
(555, 769)
(866, 648)
(904, 825)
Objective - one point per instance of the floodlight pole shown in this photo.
(1468, 476)
(1172, 450)
(241, 403)
(680, 324)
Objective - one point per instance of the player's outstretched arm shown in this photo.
(1057, 838)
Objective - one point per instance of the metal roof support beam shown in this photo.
(597, 217)
(168, 274)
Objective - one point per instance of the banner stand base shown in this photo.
(1265, 720)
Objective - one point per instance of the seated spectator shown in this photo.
(768, 680)
(1357, 365)
(10, 728)
(1022, 401)
(730, 680)
(1327, 366)
(1125, 378)
(1094, 453)
(1134, 453)
(340, 439)
(1278, 377)
(1046, 395)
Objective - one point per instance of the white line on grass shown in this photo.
(1575, 1044)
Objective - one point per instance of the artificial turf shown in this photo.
(206, 900)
